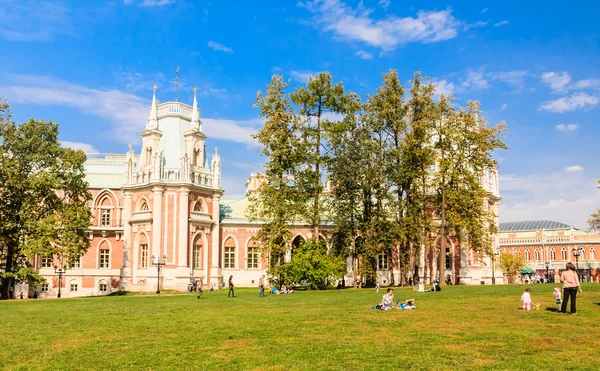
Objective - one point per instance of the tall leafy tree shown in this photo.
(43, 197)
(465, 144)
(280, 201)
(319, 97)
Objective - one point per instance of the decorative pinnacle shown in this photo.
(195, 90)
(154, 88)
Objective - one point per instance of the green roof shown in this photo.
(533, 225)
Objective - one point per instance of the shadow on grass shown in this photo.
(552, 309)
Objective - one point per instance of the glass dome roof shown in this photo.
(533, 225)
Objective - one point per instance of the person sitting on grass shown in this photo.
(387, 302)
(290, 290)
(283, 289)
(408, 304)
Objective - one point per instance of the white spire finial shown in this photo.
(195, 113)
(153, 119)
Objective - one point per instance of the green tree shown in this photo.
(594, 222)
(280, 200)
(320, 96)
(464, 144)
(313, 265)
(511, 265)
(43, 197)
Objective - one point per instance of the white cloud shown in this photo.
(569, 199)
(569, 127)
(85, 147)
(444, 87)
(385, 4)
(574, 168)
(475, 81)
(503, 107)
(363, 54)
(358, 24)
(148, 3)
(557, 81)
(515, 78)
(126, 113)
(588, 84)
(246, 166)
(477, 24)
(219, 47)
(33, 20)
(572, 103)
(502, 23)
(301, 76)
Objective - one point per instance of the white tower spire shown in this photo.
(153, 119)
(196, 124)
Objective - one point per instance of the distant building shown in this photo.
(166, 203)
(546, 242)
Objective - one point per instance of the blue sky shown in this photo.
(91, 66)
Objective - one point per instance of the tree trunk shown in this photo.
(7, 282)
(442, 256)
(316, 217)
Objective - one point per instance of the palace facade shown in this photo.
(546, 246)
(165, 205)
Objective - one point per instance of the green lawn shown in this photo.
(458, 328)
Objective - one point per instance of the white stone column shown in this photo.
(127, 241)
(127, 237)
(157, 222)
(184, 192)
(215, 270)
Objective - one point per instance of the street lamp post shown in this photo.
(60, 271)
(494, 256)
(547, 264)
(158, 264)
(577, 252)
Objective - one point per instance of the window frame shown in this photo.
(196, 256)
(105, 219)
(252, 258)
(100, 284)
(144, 260)
(73, 286)
(382, 261)
(104, 257)
(229, 258)
(46, 261)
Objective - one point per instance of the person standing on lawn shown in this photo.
(231, 292)
(571, 284)
(261, 284)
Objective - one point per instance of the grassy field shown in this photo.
(457, 328)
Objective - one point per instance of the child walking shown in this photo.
(526, 299)
(558, 297)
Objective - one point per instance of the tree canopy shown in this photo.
(43, 197)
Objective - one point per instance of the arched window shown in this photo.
(296, 242)
(144, 255)
(536, 253)
(592, 254)
(229, 262)
(382, 261)
(563, 254)
(582, 255)
(197, 253)
(448, 258)
(144, 206)
(104, 256)
(148, 156)
(253, 254)
(106, 207)
(102, 286)
(196, 158)
(527, 255)
(198, 206)
(552, 255)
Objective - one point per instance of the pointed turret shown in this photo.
(196, 124)
(216, 168)
(153, 119)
